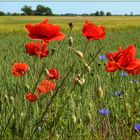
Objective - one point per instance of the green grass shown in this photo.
(72, 115)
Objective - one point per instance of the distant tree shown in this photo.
(125, 14)
(108, 14)
(131, 14)
(8, 14)
(15, 14)
(27, 10)
(92, 14)
(102, 13)
(97, 13)
(2, 13)
(43, 10)
(85, 14)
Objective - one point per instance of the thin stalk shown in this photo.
(64, 40)
(47, 107)
(85, 48)
(93, 57)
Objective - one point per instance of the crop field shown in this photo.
(88, 102)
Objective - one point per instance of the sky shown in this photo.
(76, 7)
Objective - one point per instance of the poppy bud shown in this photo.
(11, 99)
(79, 54)
(22, 115)
(47, 72)
(6, 98)
(70, 41)
(74, 119)
(100, 92)
(81, 82)
(87, 67)
(70, 25)
(27, 87)
(53, 50)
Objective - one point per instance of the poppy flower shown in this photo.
(37, 48)
(46, 86)
(31, 97)
(19, 69)
(93, 32)
(44, 31)
(133, 67)
(53, 74)
(123, 60)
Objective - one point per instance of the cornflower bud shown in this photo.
(70, 41)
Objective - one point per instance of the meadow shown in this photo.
(74, 111)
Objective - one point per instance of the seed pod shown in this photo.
(70, 41)
(87, 67)
(79, 54)
(100, 92)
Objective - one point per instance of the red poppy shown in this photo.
(111, 66)
(37, 48)
(123, 60)
(19, 69)
(53, 74)
(44, 31)
(133, 67)
(31, 97)
(46, 86)
(93, 32)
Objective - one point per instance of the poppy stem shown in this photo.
(42, 70)
(64, 40)
(85, 48)
(93, 57)
(54, 95)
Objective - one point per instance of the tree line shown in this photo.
(43, 10)
(28, 11)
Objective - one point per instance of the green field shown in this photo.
(73, 114)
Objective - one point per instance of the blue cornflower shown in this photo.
(123, 74)
(137, 127)
(118, 93)
(104, 112)
(102, 57)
